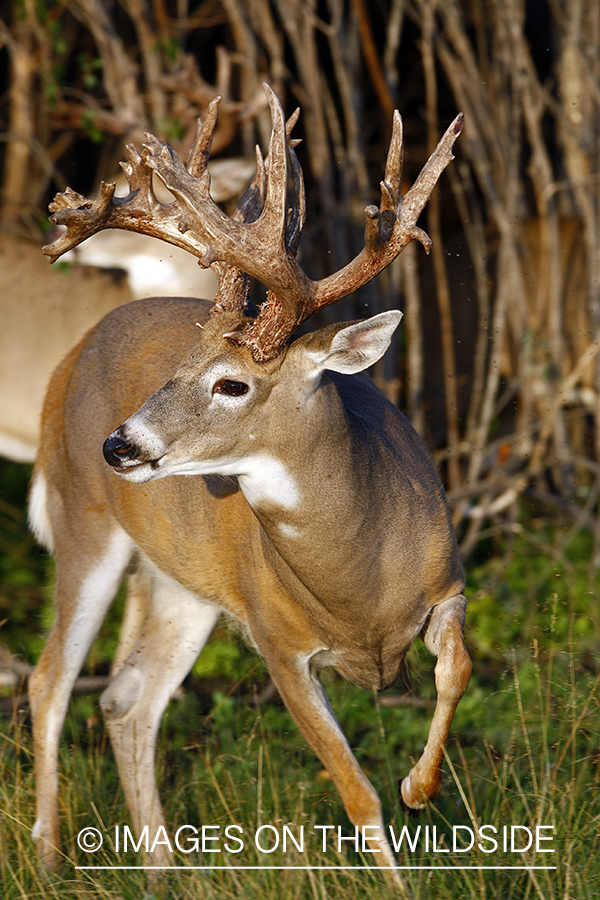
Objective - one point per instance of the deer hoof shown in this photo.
(404, 805)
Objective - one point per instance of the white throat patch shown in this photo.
(266, 480)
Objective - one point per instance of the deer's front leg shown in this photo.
(444, 637)
(83, 594)
(299, 685)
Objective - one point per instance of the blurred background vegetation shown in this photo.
(498, 366)
(497, 363)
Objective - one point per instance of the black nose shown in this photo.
(117, 451)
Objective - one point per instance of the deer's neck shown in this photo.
(302, 465)
(314, 493)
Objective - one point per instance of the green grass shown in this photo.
(524, 751)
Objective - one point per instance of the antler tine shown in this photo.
(62, 208)
(392, 180)
(252, 201)
(200, 151)
(298, 216)
(421, 191)
(275, 210)
(273, 176)
(139, 177)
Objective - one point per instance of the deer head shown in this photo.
(233, 366)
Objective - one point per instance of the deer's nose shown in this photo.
(117, 450)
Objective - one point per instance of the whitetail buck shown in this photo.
(314, 515)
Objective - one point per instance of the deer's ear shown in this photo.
(356, 347)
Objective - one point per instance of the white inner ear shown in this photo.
(359, 346)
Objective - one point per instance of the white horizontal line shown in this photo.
(336, 868)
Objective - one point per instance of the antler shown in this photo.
(139, 211)
(261, 238)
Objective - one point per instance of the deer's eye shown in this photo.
(230, 388)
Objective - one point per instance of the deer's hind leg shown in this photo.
(444, 638)
(91, 558)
